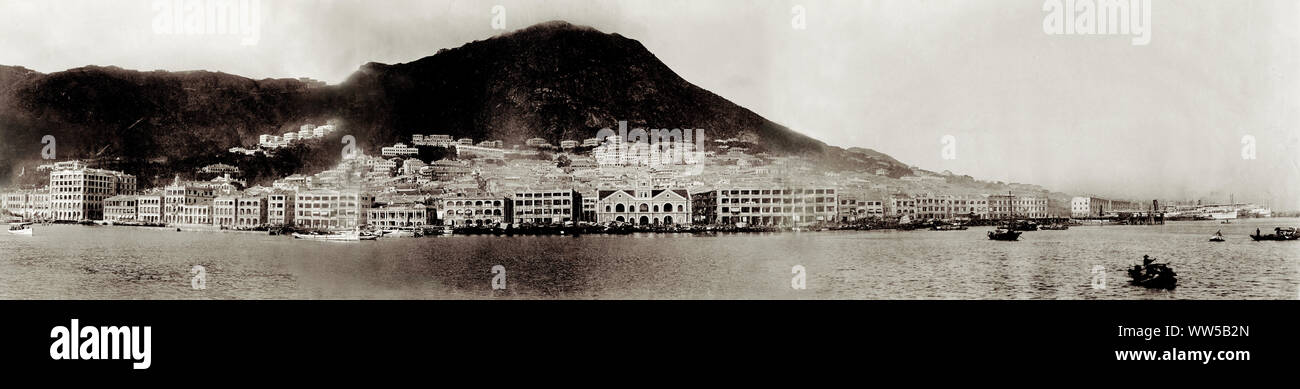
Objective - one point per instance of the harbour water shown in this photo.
(99, 262)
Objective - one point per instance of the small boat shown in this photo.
(1217, 237)
(947, 227)
(343, 236)
(1055, 226)
(1024, 225)
(20, 228)
(1004, 234)
(400, 233)
(1279, 233)
(1153, 275)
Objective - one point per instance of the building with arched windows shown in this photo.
(475, 211)
(644, 206)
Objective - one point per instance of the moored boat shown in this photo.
(342, 236)
(20, 228)
(1004, 234)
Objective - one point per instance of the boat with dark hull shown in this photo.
(1279, 233)
(1153, 275)
(1004, 234)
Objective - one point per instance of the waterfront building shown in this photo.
(591, 142)
(535, 142)
(568, 144)
(149, 208)
(465, 142)
(546, 206)
(251, 211)
(79, 193)
(332, 209)
(198, 212)
(476, 210)
(120, 208)
(181, 193)
(1009, 206)
(279, 208)
(223, 211)
(644, 206)
(28, 204)
(765, 206)
(402, 215)
(902, 205)
(589, 201)
(853, 208)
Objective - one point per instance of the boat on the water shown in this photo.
(1055, 226)
(400, 233)
(1004, 234)
(1153, 275)
(1279, 233)
(947, 227)
(342, 236)
(1024, 225)
(1217, 237)
(20, 228)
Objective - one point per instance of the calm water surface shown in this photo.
(81, 262)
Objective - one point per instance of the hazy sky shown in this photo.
(1077, 113)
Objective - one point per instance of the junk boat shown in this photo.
(1153, 275)
(1279, 233)
(1004, 234)
(20, 228)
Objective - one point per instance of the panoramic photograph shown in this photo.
(649, 150)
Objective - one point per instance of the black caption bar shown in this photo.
(354, 337)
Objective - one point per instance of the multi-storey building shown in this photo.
(332, 209)
(399, 150)
(476, 210)
(765, 206)
(120, 208)
(644, 206)
(902, 205)
(589, 207)
(402, 215)
(181, 193)
(279, 208)
(198, 212)
(28, 204)
(1010, 206)
(223, 211)
(547, 206)
(149, 208)
(77, 194)
(251, 211)
(433, 140)
(854, 208)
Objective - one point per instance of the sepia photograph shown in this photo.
(968, 152)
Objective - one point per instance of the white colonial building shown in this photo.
(644, 206)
